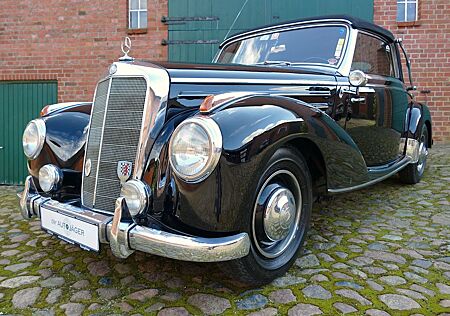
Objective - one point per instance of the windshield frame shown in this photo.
(285, 28)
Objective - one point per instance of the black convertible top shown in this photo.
(355, 22)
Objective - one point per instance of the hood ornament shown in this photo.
(126, 47)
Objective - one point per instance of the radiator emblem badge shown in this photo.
(87, 167)
(124, 170)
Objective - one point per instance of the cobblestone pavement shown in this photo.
(380, 251)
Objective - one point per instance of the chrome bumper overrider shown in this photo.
(124, 238)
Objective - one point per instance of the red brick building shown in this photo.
(427, 41)
(74, 41)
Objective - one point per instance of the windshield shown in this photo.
(311, 45)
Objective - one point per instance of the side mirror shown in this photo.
(358, 78)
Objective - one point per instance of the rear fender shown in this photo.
(418, 117)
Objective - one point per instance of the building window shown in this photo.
(137, 14)
(407, 10)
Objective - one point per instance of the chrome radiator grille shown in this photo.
(113, 136)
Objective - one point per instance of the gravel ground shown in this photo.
(380, 251)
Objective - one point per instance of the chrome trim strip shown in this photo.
(320, 105)
(188, 95)
(87, 141)
(146, 127)
(101, 143)
(402, 164)
(253, 81)
(132, 237)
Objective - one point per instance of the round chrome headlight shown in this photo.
(136, 194)
(33, 138)
(195, 148)
(357, 78)
(50, 178)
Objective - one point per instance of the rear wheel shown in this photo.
(413, 173)
(279, 219)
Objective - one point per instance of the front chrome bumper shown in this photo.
(124, 238)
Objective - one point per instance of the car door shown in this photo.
(377, 113)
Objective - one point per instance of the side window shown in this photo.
(372, 56)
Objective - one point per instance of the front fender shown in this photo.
(66, 128)
(253, 128)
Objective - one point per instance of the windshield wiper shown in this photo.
(274, 62)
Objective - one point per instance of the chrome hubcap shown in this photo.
(279, 214)
(276, 215)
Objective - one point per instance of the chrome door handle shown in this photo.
(356, 100)
(366, 90)
(1, 147)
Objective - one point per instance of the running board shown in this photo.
(401, 164)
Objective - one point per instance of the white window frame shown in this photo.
(139, 10)
(406, 2)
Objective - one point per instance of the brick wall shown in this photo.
(428, 45)
(72, 41)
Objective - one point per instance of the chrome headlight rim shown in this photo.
(41, 133)
(55, 184)
(215, 140)
(142, 190)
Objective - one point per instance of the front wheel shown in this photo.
(278, 221)
(413, 173)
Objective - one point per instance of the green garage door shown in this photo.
(20, 102)
(196, 27)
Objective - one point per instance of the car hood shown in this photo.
(179, 71)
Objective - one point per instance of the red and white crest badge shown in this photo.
(124, 170)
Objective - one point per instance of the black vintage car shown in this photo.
(223, 161)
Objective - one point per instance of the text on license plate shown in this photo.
(72, 229)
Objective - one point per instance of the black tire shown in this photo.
(413, 173)
(256, 268)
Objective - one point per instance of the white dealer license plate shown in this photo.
(70, 229)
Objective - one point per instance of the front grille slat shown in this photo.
(121, 119)
(117, 136)
(114, 136)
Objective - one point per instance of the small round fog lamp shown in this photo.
(136, 194)
(50, 178)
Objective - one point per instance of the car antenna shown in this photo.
(235, 19)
